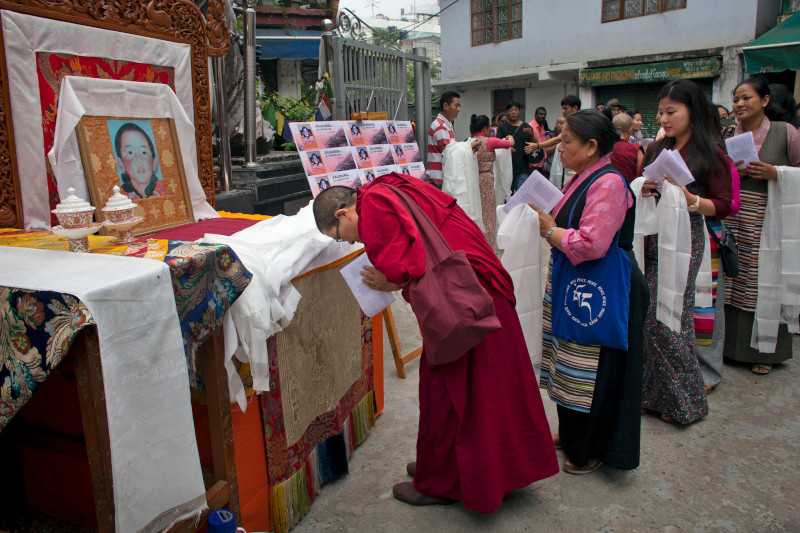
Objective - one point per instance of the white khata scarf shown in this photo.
(670, 220)
(460, 170)
(503, 175)
(778, 262)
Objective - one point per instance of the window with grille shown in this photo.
(496, 20)
(626, 9)
(790, 6)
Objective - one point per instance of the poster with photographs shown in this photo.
(354, 153)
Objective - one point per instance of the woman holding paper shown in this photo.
(593, 370)
(479, 128)
(672, 383)
(777, 144)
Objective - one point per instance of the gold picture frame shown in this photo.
(143, 157)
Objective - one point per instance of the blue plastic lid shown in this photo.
(222, 521)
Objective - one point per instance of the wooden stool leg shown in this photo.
(399, 360)
(394, 341)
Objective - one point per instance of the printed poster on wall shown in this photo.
(354, 153)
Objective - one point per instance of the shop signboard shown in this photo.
(703, 67)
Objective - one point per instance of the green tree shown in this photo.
(436, 74)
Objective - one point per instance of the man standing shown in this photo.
(559, 176)
(521, 133)
(539, 125)
(440, 134)
(482, 428)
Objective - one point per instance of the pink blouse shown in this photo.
(493, 143)
(736, 200)
(602, 217)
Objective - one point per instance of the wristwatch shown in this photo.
(548, 234)
(695, 206)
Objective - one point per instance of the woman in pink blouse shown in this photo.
(597, 388)
(479, 128)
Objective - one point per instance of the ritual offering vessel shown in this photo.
(75, 216)
(119, 211)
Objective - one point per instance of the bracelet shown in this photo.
(549, 234)
(695, 206)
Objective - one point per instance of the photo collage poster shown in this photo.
(354, 153)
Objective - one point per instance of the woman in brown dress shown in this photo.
(479, 128)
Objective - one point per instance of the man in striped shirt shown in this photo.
(440, 134)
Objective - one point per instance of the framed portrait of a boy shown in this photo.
(142, 157)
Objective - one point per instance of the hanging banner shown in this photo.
(354, 153)
(703, 67)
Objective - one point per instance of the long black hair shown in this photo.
(703, 157)
(782, 105)
(477, 123)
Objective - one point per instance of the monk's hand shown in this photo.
(650, 188)
(374, 279)
(475, 145)
(762, 171)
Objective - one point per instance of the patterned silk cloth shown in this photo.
(38, 327)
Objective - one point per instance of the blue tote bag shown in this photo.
(590, 300)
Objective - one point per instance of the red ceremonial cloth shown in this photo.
(192, 232)
(482, 429)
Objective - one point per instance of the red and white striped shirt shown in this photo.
(440, 134)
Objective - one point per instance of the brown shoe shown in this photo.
(411, 468)
(405, 492)
(588, 468)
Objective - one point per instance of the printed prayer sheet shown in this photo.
(536, 190)
(371, 301)
(742, 147)
(669, 163)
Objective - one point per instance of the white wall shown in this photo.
(290, 80)
(478, 100)
(573, 33)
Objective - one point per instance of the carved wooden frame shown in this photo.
(168, 20)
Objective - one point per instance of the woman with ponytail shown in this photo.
(479, 128)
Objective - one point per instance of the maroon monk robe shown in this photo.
(482, 427)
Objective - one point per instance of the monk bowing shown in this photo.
(482, 428)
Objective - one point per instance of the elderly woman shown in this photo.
(597, 386)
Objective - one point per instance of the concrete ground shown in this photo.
(735, 471)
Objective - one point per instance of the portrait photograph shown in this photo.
(142, 157)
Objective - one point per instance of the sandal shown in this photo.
(405, 492)
(666, 418)
(556, 441)
(761, 369)
(588, 468)
(709, 389)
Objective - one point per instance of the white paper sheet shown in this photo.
(537, 190)
(669, 163)
(742, 147)
(371, 301)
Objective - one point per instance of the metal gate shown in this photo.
(371, 78)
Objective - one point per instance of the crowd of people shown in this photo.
(663, 321)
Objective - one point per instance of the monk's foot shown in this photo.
(411, 468)
(405, 492)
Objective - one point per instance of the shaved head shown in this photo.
(328, 202)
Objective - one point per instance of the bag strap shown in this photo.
(436, 247)
(713, 234)
(600, 172)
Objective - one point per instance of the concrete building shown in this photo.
(537, 52)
